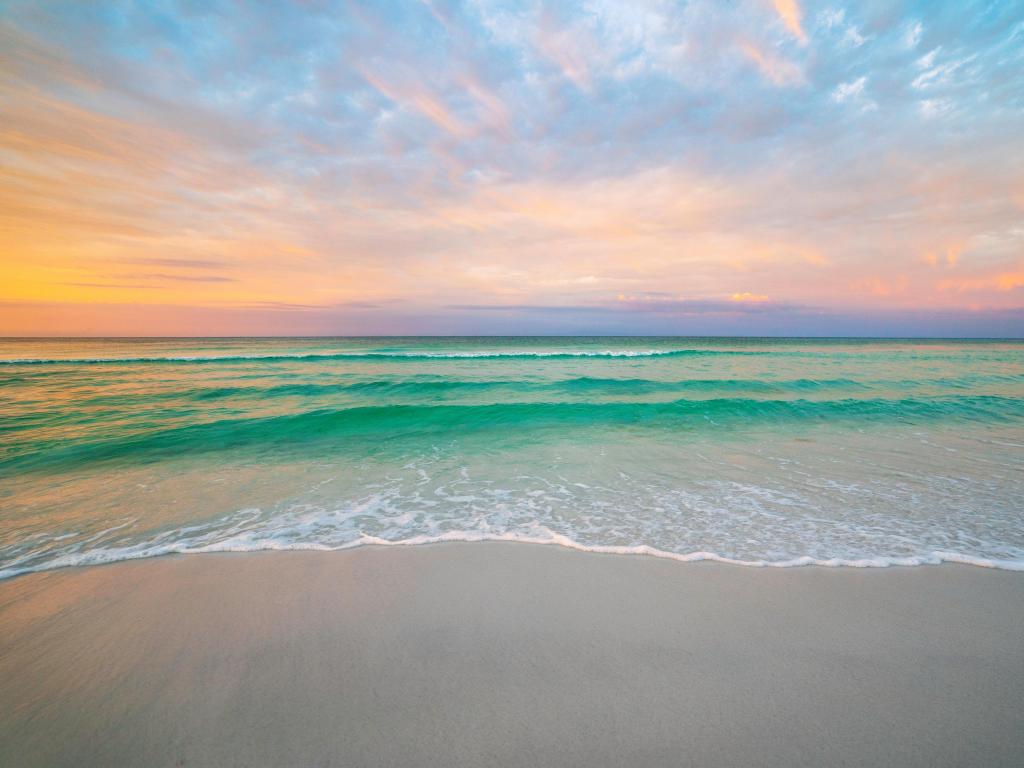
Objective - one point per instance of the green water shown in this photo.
(769, 451)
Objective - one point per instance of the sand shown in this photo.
(508, 654)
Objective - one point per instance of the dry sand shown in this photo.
(507, 654)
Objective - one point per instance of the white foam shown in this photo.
(245, 544)
(605, 353)
(353, 354)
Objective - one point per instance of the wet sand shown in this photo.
(508, 654)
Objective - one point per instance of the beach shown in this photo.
(518, 384)
(474, 654)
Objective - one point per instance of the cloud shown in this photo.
(359, 166)
(853, 37)
(421, 100)
(831, 17)
(175, 277)
(835, 19)
(912, 32)
(566, 48)
(1002, 282)
(747, 296)
(933, 74)
(884, 287)
(646, 305)
(847, 91)
(852, 92)
(933, 108)
(175, 262)
(791, 15)
(778, 70)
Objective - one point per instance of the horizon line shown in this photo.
(510, 336)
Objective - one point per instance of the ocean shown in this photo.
(763, 452)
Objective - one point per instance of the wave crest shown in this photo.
(399, 356)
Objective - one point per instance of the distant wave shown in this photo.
(376, 356)
(432, 387)
(582, 385)
(371, 424)
(397, 355)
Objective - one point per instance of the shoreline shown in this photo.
(500, 653)
(880, 562)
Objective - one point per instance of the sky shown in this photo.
(765, 167)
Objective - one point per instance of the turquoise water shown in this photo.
(760, 451)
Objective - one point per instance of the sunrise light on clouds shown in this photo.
(488, 167)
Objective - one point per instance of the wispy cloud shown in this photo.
(791, 14)
(778, 70)
(421, 100)
(847, 91)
